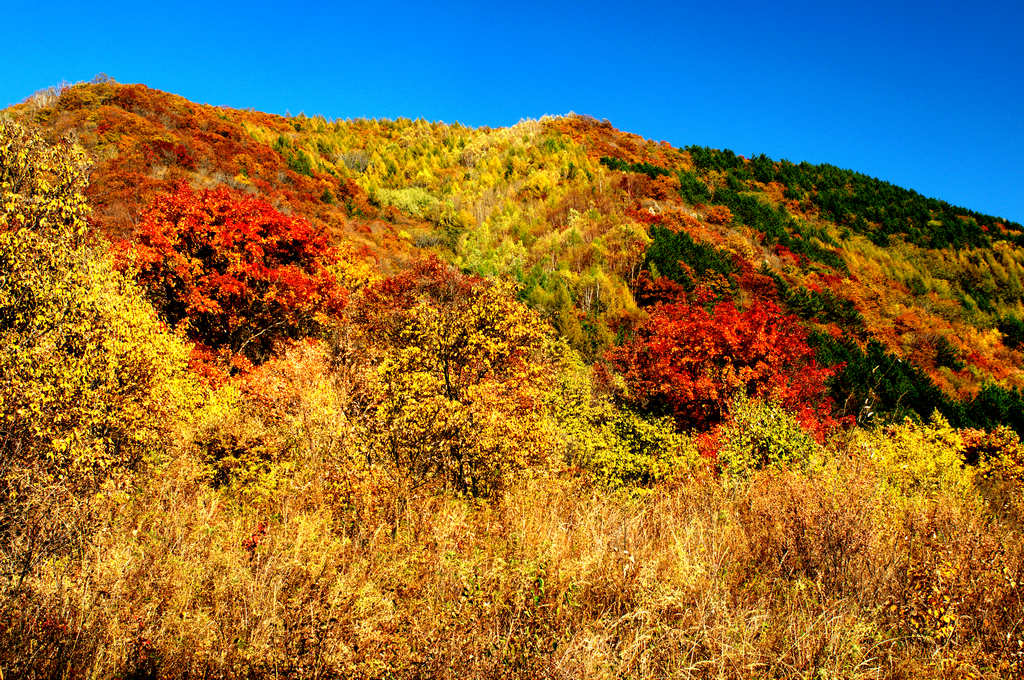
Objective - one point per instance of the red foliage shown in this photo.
(427, 278)
(787, 254)
(690, 362)
(253, 541)
(649, 292)
(234, 272)
(758, 284)
(645, 216)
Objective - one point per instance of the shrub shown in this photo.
(913, 459)
(807, 527)
(760, 433)
(414, 201)
(688, 362)
(92, 384)
(998, 460)
(234, 273)
(457, 381)
(42, 185)
(91, 378)
(718, 214)
(620, 448)
(640, 451)
(255, 430)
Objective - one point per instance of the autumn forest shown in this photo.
(287, 397)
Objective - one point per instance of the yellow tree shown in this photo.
(459, 375)
(91, 379)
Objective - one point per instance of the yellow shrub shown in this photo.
(620, 448)
(999, 466)
(641, 451)
(761, 434)
(917, 458)
(41, 185)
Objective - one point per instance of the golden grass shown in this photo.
(789, 576)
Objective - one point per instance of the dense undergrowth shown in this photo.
(543, 402)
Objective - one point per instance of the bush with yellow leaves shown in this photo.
(92, 383)
(620, 448)
(761, 433)
(255, 430)
(456, 373)
(998, 457)
(914, 459)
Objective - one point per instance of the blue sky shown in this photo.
(926, 95)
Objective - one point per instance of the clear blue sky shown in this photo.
(928, 95)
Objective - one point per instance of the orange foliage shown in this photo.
(718, 214)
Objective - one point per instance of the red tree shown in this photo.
(234, 272)
(690, 362)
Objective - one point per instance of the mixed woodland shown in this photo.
(288, 397)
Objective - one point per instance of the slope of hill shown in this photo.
(290, 397)
(567, 207)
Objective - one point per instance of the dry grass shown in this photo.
(789, 577)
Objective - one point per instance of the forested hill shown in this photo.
(920, 299)
(286, 397)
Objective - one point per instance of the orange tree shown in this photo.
(690, 361)
(234, 272)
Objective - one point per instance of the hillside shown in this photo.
(575, 211)
(290, 397)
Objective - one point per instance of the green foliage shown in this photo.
(994, 405)
(823, 306)
(706, 158)
(778, 227)
(652, 171)
(858, 201)
(297, 159)
(761, 433)
(300, 163)
(875, 383)
(692, 188)
(948, 355)
(1012, 328)
(676, 255)
(641, 451)
(917, 286)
